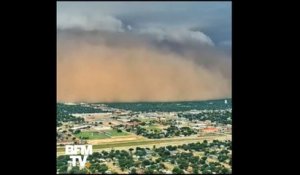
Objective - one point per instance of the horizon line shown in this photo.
(148, 101)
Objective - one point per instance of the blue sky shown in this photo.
(208, 22)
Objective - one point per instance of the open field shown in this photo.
(116, 133)
(92, 135)
(115, 139)
(98, 135)
(153, 127)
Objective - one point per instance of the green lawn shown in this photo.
(153, 127)
(116, 133)
(92, 135)
(95, 135)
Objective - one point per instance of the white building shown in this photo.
(101, 128)
(91, 114)
(81, 127)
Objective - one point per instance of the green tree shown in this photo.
(133, 171)
(183, 164)
(225, 171)
(102, 168)
(222, 158)
(195, 170)
(177, 170)
(146, 162)
(77, 131)
(75, 170)
(149, 171)
(130, 150)
(63, 169)
(204, 158)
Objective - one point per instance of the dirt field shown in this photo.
(96, 117)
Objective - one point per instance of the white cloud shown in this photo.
(168, 17)
(88, 23)
(178, 35)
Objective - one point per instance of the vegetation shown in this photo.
(158, 134)
(65, 117)
(171, 106)
(91, 135)
(115, 132)
(219, 117)
(182, 158)
(177, 170)
(72, 109)
(99, 135)
(207, 157)
(64, 112)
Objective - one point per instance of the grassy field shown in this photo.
(152, 127)
(92, 135)
(107, 134)
(114, 133)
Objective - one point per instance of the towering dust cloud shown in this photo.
(106, 67)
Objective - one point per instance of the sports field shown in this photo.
(101, 135)
(152, 127)
(92, 135)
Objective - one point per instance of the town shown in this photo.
(150, 142)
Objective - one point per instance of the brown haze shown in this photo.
(102, 72)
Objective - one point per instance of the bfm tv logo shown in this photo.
(74, 150)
